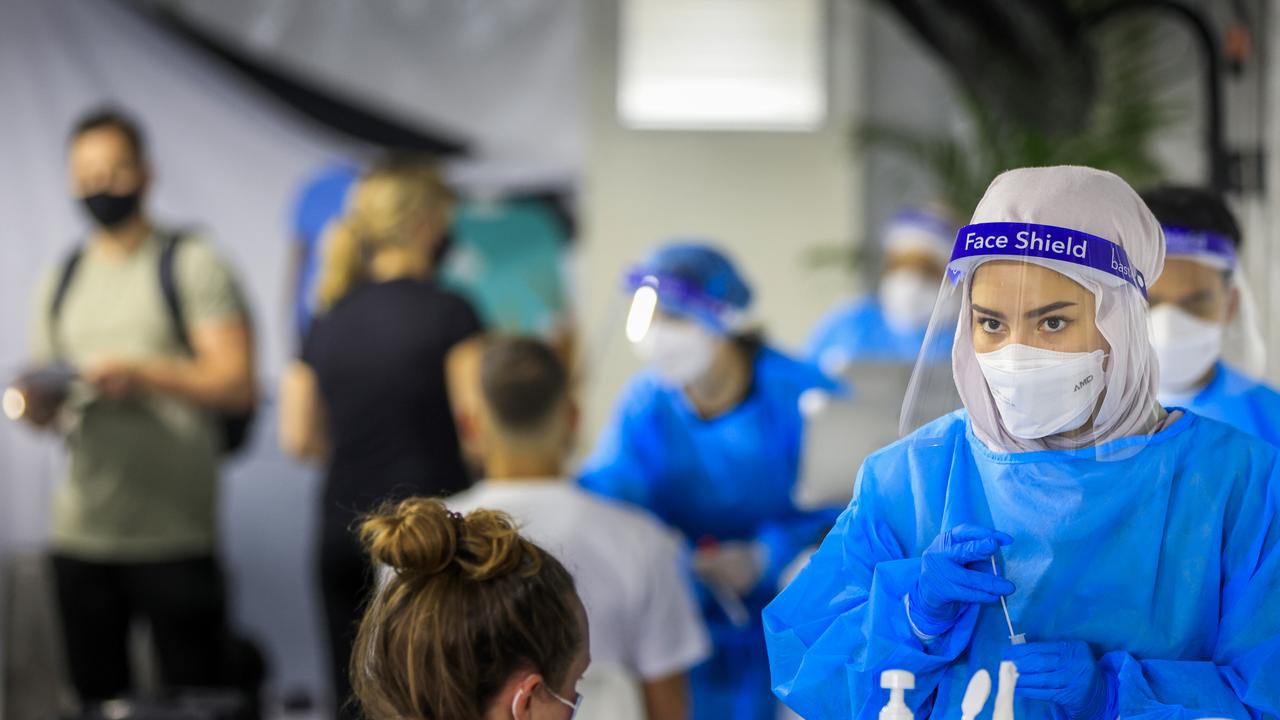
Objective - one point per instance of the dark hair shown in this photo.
(470, 603)
(1193, 209)
(523, 381)
(108, 117)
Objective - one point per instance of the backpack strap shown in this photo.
(169, 287)
(60, 295)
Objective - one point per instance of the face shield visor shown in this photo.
(1202, 311)
(675, 327)
(1051, 348)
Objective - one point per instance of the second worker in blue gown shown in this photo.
(709, 440)
(1202, 312)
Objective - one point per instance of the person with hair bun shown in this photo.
(473, 621)
(369, 396)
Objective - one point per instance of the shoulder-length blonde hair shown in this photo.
(383, 209)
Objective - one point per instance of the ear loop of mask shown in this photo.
(515, 702)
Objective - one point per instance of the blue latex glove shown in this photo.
(955, 572)
(1065, 673)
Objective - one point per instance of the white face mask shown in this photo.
(1043, 392)
(1186, 347)
(907, 298)
(679, 351)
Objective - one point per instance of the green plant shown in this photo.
(1127, 115)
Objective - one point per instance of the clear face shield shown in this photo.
(676, 328)
(1051, 348)
(1202, 311)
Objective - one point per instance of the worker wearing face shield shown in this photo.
(1202, 316)
(889, 326)
(708, 439)
(1135, 546)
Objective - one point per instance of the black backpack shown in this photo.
(235, 426)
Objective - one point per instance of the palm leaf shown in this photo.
(1128, 114)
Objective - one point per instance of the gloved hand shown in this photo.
(1065, 673)
(734, 566)
(955, 571)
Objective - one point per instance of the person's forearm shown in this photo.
(302, 419)
(667, 698)
(216, 388)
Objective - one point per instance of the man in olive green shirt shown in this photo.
(134, 520)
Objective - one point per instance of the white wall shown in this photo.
(767, 198)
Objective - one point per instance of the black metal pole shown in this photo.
(1215, 140)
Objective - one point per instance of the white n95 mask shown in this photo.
(1043, 392)
(907, 298)
(1186, 347)
(678, 351)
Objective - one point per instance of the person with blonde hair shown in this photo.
(473, 621)
(368, 396)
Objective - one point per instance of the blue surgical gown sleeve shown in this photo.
(617, 467)
(784, 539)
(1243, 679)
(827, 332)
(842, 621)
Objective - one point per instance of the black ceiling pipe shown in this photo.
(1028, 60)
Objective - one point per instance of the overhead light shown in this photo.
(723, 64)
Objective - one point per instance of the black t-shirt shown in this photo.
(379, 358)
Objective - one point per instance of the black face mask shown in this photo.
(110, 210)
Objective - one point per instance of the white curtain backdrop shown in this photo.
(505, 75)
(500, 75)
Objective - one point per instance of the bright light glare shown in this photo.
(723, 64)
(15, 403)
(813, 401)
(640, 317)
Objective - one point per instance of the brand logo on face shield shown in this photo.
(1048, 242)
(1082, 384)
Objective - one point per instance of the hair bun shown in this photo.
(417, 534)
(422, 535)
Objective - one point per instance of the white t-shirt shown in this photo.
(627, 568)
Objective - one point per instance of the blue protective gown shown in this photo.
(1165, 562)
(857, 332)
(728, 478)
(1238, 400)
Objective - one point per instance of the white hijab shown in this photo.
(1099, 203)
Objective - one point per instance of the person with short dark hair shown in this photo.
(1199, 308)
(153, 325)
(473, 622)
(646, 627)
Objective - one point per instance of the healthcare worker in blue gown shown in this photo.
(1202, 312)
(1136, 545)
(708, 439)
(888, 326)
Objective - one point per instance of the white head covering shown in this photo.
(1098, 203)
(924, 229)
